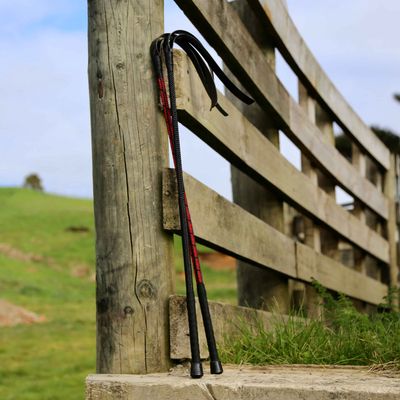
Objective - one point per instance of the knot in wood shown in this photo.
(102, 305)
(111, 289)
(128, 310)
(146, 290)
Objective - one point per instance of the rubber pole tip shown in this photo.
(196, 370)
(216, 367)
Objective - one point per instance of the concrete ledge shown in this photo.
(268, 383)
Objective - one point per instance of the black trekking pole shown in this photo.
(195, 51)
(196, 370)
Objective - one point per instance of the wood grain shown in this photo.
(133, 254)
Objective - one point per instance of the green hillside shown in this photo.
(47, 269)
(47, 266)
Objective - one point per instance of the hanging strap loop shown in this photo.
(203, 62)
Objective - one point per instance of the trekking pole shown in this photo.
(170, 115)
(190, 44)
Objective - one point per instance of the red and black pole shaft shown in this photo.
(196, 52)
(196, 370)
(215, 364)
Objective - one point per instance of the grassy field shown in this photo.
(48, 268)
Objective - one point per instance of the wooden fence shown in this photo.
(285, 226)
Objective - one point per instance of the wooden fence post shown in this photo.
(392, 232)
(129, 143)
(312, 232)
(358, 159)
(259, 288)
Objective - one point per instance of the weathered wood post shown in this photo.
(312, 231)
(392, 233)
(133, 254)
(259, 288)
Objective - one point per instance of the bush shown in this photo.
(34, 182)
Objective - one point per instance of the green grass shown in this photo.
(343, 337)
(48, 360)
(220, 283)
(37, 223)
(51, 360)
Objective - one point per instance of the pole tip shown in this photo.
(196, 370)
(216, 367)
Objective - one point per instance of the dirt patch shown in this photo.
(19, 255)
(77, 229)
(11, 315)
(218, 261)
(83, 271)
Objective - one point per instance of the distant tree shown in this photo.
(33, 181)
(387, 136)
(343, 144)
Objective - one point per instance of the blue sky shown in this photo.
(44, 124)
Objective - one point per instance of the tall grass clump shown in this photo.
(341, 336)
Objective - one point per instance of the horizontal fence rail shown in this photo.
(227, 227)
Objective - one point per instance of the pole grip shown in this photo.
(215, 363)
